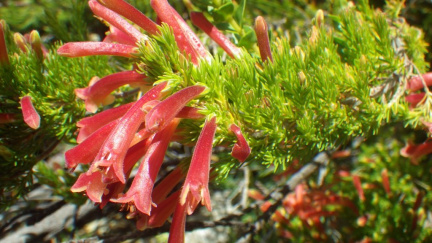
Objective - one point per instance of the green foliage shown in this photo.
(60, 180)
(389, 216)
(313, 97)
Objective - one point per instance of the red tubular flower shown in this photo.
(161, 213)
(199, 20)
(164, 112)
(117, 36)
(115, 20)
(415, 152)
(113, 190)
(186, 39)
(358, 186)
(4, 58)
(415, 99)
(416, 206)
(89, 125)
(178, 224)
(190, 113)
(263, 39)
(416, 83)
(241, 149)
(116, 145)
(128, 11)
(195, 188)
(140, 192)
(99, 91)
(86, 151)
(30, 115)
(86, 48)
(167, 184)
(385, 181)
(135, 153)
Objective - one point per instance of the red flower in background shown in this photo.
(309, 205)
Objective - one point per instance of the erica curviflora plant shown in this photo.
(269, 105)
(113, 141)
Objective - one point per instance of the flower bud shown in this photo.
(261, 31)
(20, 42)
(36, 44)
(319, 18)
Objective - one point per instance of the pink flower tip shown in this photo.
(30, 115)
(241, 149)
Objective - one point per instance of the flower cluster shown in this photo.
(113, 141)
(309, 205)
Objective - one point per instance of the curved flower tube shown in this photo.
(178, 224)
(117, 36)
(199, 20)
(241, 149)
(30, 115)
(167, 184)
(386, 182)
(415, 99)
(160, 213)
(416, 83)
(186, 39)
(86, 151)
(128, 11)
(162, 114)
(415, 151)
(116, 20)
(89, 48)
(89, 125)
(195, 188)
(358, 186)
(99, 91)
